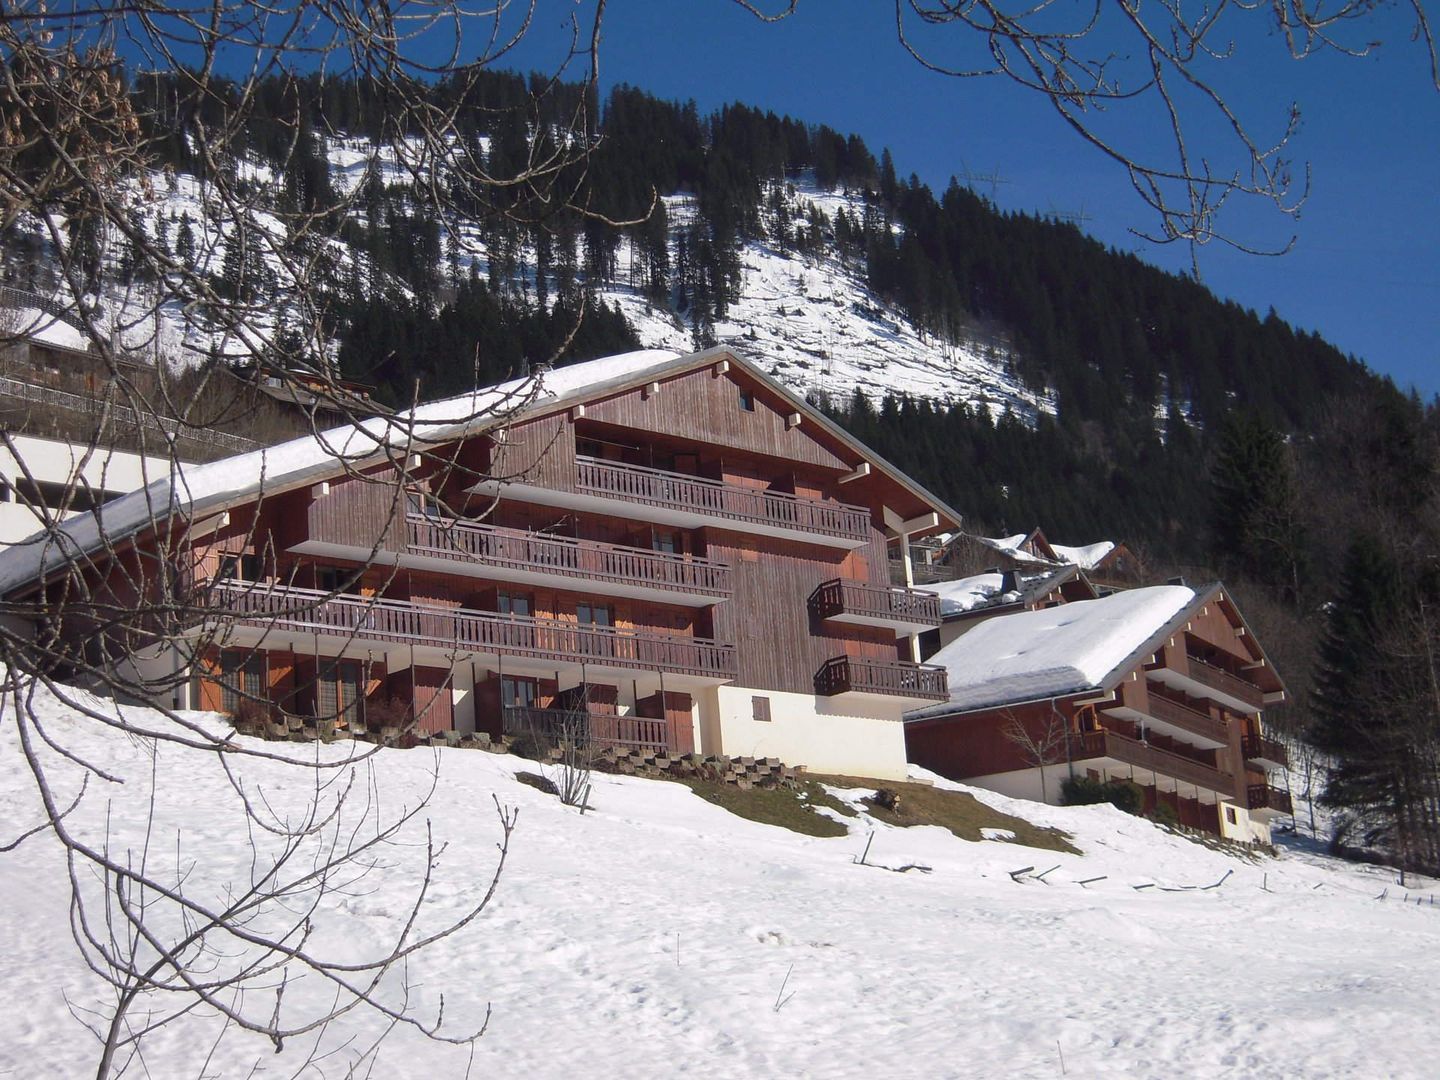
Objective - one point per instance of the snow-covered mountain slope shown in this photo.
(818, 328)
(811, 321)
(661, 936)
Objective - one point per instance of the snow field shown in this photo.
(653, 937)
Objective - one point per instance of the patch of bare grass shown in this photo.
(958, 811)
(788, 807)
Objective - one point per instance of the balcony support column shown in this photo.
(909, 569)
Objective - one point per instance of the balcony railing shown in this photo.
(1188, 719)
(1224, 682)
(1263, 797)
(596, 730)
(1110, 744)
(694, 494)
(561, 556)
(861, 674)
(1267, 753)
(842, 597)
(403, 622)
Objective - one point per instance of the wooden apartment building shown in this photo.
(674, 549)
(1164, 686)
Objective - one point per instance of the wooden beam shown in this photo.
(860, 471)
(915, 524)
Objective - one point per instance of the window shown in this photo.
(1230, 815)
(760, 709)
(242, 678)
(340, 692)
(513, 603)
(425, 506)
(588, 448)
(334, 579)
(517, 693)
(594, 615)
(747, 401)
(239, 568)
(667, 542)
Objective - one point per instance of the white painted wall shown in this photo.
(802, 731)
(56, 462)
(1246, 828)
(1025, 783)
(155, 666)
(462, 697)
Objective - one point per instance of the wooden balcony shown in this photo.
(594, 730)
(1139, 755)
(908, 611)
(1226, 684)
(1265, 753)
(1262, 800)
(1215, 733)
(459, 630)
(897, 678)
(611, 569)
(697, 500)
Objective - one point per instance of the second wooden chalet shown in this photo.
(1164, 685)
(674, 549)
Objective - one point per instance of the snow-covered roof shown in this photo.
(1055, 651)
(1010, 545)
(1085, 556)
(217, 484)
(989, 589)
(968, 593)
(37, 325)
(1088, 556)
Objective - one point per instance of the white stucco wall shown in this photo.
(1246, 828)
(462, 697)
(56, 462)
(802, 731)
(1025, 783)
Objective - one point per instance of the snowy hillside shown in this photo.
(812, 321)
(817, 327)
(661, 936)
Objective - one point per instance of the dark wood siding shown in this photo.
(779, 645)
(539, 452)
(702, 407)
(359, 512)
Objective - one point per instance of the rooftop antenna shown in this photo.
(1069, 217)
(993, 178)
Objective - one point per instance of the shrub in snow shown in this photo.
(1121, 794)
(1165, 814)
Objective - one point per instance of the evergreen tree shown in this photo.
(1256, 526)
(1364, 704)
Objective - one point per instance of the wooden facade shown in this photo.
(1183, 720)
(615, 555)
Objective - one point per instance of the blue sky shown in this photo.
(1365, 270)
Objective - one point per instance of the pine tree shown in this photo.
(1256, 527)
(1373, 771)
